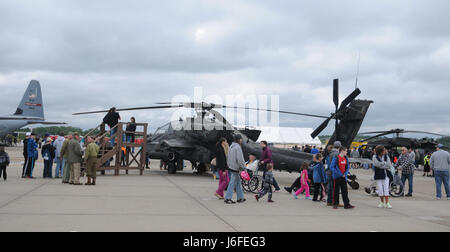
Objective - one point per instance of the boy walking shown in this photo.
(268, 183)
(4, 162)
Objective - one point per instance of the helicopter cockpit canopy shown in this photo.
(166, 128)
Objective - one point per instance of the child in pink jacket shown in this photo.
(304, 182)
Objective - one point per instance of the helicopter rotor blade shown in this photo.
(349, 99)
(336, 92)
(220, 106)
(376, 136)
(373, 132)
(424, 132)
(128, 109)
(319, 129)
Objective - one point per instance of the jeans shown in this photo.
(266, 190)
(439, 177)
(129, 140)
(59, 167)
(48, 164)
(113, 131)
(235, 185)
(410, 182)
(275, 183)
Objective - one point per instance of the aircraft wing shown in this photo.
(19, 118)
(46, 123)
(177, 143)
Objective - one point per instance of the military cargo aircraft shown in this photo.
(29, 111)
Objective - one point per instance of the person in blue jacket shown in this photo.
(319, 178)
(339, 169)
(32, 154)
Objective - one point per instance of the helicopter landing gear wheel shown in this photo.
(201, 168)
(171, 168)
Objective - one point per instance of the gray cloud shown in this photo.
(97, 54)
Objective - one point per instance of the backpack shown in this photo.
(4, 159)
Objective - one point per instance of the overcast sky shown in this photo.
(92, 55)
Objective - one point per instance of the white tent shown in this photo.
(288, 136)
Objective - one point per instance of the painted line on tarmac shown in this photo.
(25, 194)
(200, 203)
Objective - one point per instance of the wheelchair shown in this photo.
(255, 184)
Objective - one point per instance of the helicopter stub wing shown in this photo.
(177, 143)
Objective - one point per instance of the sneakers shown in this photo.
(308, 198)
(241, 201)
(408, 195)
(295, 195)
(381, 205)
(388, 206)
(289, 190)
(229, 202)
(437, 198)
(271, 201)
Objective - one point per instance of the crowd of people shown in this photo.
(327, 174)
(68, 152)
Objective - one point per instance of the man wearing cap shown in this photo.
(25, 153)
(334, 152)
(440, 162)
(236, 164)
(48, 154)
(74, 158)
(64, 155)
(32, 155)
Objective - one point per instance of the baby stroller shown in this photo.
(395, 187)
(351, 180)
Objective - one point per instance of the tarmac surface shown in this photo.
(157, 202)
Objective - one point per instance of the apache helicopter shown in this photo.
(194, 139)
(424, 145)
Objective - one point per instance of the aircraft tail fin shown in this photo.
(31, 104)
(350, 125)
